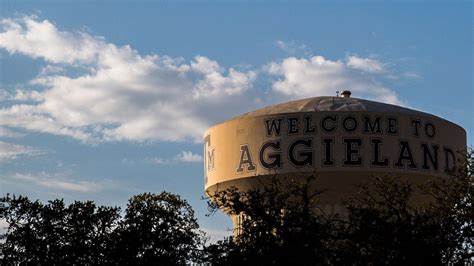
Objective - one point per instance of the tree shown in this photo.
(384, 228)
(155, 229)
(158, 229)
(282, 224)
(380, 225)
(55, 234)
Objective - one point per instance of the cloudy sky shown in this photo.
(105, 100)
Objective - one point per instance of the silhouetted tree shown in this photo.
(55, 234)
(158, 229)
(285, 225)
(384, 228)
(282, 224)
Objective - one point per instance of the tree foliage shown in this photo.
(384, 228)
(158, 229)
(155, 228)
(284, 223)
(54, 233)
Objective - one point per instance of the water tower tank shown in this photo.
(343, 140)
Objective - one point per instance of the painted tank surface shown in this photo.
(343, 140)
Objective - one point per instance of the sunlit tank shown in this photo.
(342, 140)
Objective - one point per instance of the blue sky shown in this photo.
(103, 100)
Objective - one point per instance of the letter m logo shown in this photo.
(210, 159)
(209, 155)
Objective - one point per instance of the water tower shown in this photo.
(343, 140)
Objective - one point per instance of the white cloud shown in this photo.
(157, 161)
(183, 156)
(365, 64)
(117, 94)
(187, 156)
(55, 181)
(124, 96)
(411, 75)
(6, 132)
(292, 47)
(301, 77)
(19, 95)
(24, 95)
(42, 39)
(9, 151)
